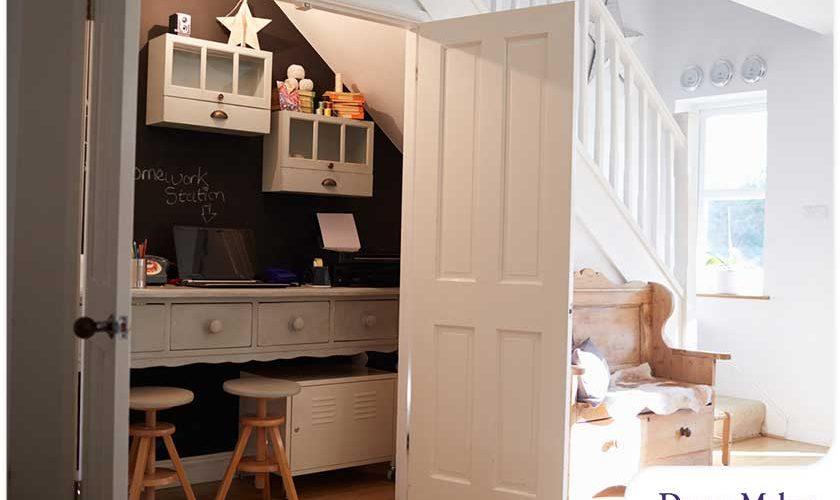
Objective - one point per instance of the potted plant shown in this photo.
(723, 272)
(733, 274)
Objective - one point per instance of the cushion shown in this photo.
(595, 382)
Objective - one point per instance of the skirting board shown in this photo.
(210, 468)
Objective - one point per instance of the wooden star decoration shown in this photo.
(243, 26)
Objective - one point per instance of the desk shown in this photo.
(173, 326)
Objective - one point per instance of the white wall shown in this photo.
(782, 348)
(370, 56)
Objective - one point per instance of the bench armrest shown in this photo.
(703, 354)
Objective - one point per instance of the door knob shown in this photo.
(85, 328)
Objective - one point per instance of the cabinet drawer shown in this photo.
(293, 323)
(148, 327)
(342, 424)
(680, 433)
(366, 319)
(210, 326)
(190, 113)
(304, 180)
(603, 454)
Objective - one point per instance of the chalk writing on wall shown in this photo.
(185, 189)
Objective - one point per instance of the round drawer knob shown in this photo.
(297, 324)
(215, 326)
(297, 429)
(369, 320)
(685, 432)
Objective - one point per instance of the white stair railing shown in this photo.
(627, 131)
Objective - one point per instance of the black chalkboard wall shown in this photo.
(173, 164)
(172, 161)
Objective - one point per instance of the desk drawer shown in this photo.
(681, 433)
(148, 327)
(366, 319)
(293, 323)
(210, 326)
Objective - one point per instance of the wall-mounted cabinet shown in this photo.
(308, 153)
(211, 86)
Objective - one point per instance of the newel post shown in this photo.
(686, 199)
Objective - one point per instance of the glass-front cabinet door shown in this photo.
(323, 143)
(213, 71)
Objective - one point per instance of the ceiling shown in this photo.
(815, 15)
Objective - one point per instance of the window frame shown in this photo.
(732, 105)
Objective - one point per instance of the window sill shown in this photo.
(733, 296)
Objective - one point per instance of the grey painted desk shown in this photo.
(173, 326)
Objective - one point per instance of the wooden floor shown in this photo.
(369, 483)
(363, 483)
(772, 451)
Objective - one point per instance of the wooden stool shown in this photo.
(726, 437)
(144, 474)
(261, 389)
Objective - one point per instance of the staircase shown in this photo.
(633, 187)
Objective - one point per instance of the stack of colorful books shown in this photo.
(307, 101)
(347, 104)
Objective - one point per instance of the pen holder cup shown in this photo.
(321, 276)
(138, 273)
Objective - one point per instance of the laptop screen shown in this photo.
(209, 253)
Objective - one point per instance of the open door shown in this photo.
(485, 324)
(109, 210)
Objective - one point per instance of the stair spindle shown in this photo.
(630, 131)
(615, 105)
(600, 91)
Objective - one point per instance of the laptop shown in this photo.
(211, 257)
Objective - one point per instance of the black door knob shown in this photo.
(85, 328)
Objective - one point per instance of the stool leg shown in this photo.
(726, 449)
(151, 422)
(179, 467)
(234, 462)
(283, 463)
(139, 467)
(132, 455)
(262, 411)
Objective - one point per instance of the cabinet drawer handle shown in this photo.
(609, 445)
(329, 183)
(219, 115)
(685, 432)
(215, 326)
(369, 320)
(297, 324)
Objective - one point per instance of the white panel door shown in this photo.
(108, 234)
(486, 291)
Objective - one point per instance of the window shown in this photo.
(732, 187)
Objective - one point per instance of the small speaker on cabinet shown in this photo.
(180, 24)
